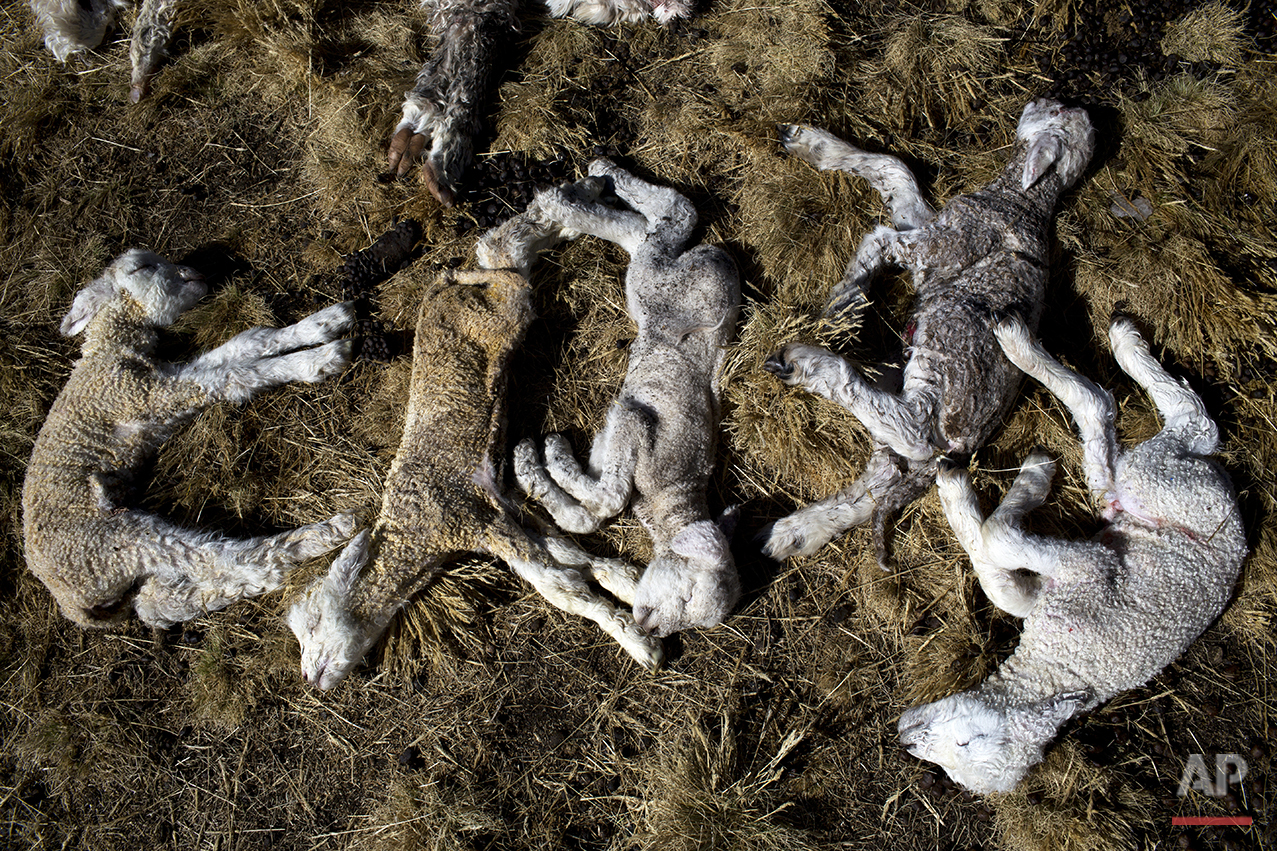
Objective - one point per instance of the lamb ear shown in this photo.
(1043, 153)
(88, 302)
(728, 519)
(342, 576)
(1046, 716)
(702, 541)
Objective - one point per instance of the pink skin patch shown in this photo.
(1120, 502)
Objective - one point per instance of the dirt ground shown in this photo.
(487, 719)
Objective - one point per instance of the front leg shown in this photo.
(323, 326)
(306, 365)
(1090, 406)
(567, 588)
(617, 576)
(848, 300)
(609, 12)
(900, 423)
(885, 173)
(675, 214)
(626, 228)
(443, 108)
(1183, 415)
(516, 243)
(811, 527)
(251, 361)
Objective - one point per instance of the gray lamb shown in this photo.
(1100, 616)
(444, 110)
(985, 253)
(94, 553)
(74, 26)
(442, 497)
(657, 446)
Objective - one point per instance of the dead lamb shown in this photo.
(1100, 616)
(984, 253)
(444, 110)
(657, 446)
(451, 87)
(442, 497)
(98, 556)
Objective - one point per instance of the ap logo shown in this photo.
(1229, 768)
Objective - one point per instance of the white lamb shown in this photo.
(1100, 616)
(442, 496)
(658, 442)
(97, 555)
(984, 253)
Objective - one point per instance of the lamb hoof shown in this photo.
(433, 181)
(331, 321)
(651, 656)
(1120, 316)
(1121, 311)
(405, 147)
(782, 540)
(331, 358)
(778, 366)
(344, 525)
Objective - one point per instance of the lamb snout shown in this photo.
(913, 732)
(696, 585)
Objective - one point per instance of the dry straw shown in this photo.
(488, 720)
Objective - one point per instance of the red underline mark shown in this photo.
(1211, 821)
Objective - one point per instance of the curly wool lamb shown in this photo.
(98, 556)
(1100, 616)
(656, 449)
(984, 253)
(442, 497)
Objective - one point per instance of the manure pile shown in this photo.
(488, 719)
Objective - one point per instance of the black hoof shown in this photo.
(1003, 315)
(1121, 313)
(949, 463)
(778, 366)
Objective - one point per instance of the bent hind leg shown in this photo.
(661, 205)
(999, 549)
(900, 422)
(568, 588)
